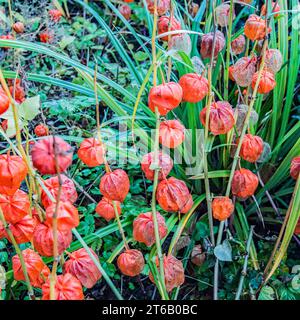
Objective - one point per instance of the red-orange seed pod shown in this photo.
(295, 168)
(163, 26)
(165, 97)
(207, 44)
(115, 185)
(19, 27)
(41, 130)
(275, 8)
(81, 266)
(255, 28)
(252, 148)
(222, 208)
(164, 161)
(238, 45)
(91, 152)
(105, 209)
(125, 11)
(171, 133)
(266, 84)
(131, 262)
(162, 6)
(194, 87)
(221, 117)
(143, 228)
(244, 183)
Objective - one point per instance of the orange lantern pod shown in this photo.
(174, 196)
(244, 183)
(46, 36)
(275, 8)
(221, 117)
(125, 11)
(297, 229)
(166, 24)
(67, 215)
(23, 230)
(41, 130)
(55, 15)
(7, 37)
(171, 133)
(164, 161)
(194, 87)
(34, 265)
(143, 228)
(43, 240)
(243, 70)
(238, 45)
(295, 168)
(115, 185)
(43, 155)
(207, 44)
(18, 27)
(4, 101)
(68, 190)
(222, 208)
(38, 283)
(222, 14)
(131, 262)
(15, 207)
(67, 287)
(106, 210)
(197, 256)
(13, 171)
(273, 60)
(81, 266)
(165, 97)
(230, 71)
(91, 152)
(17, 92)
(162, 6)
(174, 272)
(255, 28)
(128, 1)
(266, 84)
(252, 148)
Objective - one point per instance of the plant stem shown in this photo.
(244, 271)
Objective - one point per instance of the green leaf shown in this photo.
(30, 108)
(65, 41)
(267, 293)
(140, 56)
(223, 251)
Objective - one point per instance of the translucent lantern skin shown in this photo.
(295, 168)
(13, 171)
(115, 185)
(243, 71)
(194, 87)
(174, 196)
(34, 265)
(18, 27)
(143, 228)
(244, 183)
(221, 117)
(41, 130)
(252, 148)
(68, 190)
(43, 156)
(163, 26)
(162, 6)
(276, 9)
(18, 93)
(165, 97)
(46, 36)
(273, 60)
(91, 152)
(255, 28)
(81, 266)
(174, 272)
(222, 208)
(207, 44)
(197, 256)
(55, 15)
(238, 44)
(222, 14)
(125, 10)
(105, 209)
(43, 240)
(23, 230)
(164, 162)
(38, 283)
(230, 71)
(4, 101)
(266, 84)
(15, 207)
(67, 215)
(171, 133)
(131, 262)
(67, 287)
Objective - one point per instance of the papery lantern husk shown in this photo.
(207, 44)
(143, 228)
(163, 26)
(194, 87)
(91, 152)
(222, 208)
(266, 84)
(244, 70)
(255, 28)
(67, 287)
(81, 266)
(131, 262)
(163, 6)
(273, 60)
(222, 14)
(295, 168)
(244, 183)
(125, 11)
(238, 45)
(251, 148)
(105, 209)
(23, 230)
(171, 133)
(198, 256)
